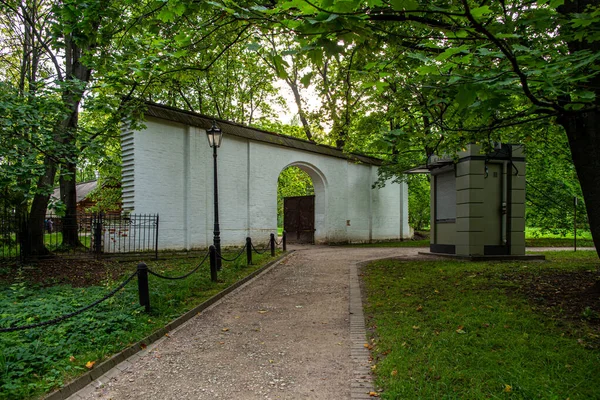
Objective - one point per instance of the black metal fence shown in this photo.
(87, 235)
(11, 224)
(131, 234)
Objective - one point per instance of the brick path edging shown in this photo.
(362, 376)
(99, 370)
(362, 380)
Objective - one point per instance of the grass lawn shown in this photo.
(557, 242)
(36, 361)
(533, 238)
(531, 233)
(460, 330)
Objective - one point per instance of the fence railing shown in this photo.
(11, 224)
(135, 233)
(85, 235)
(143, 272)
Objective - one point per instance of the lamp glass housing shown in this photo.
(214, 135)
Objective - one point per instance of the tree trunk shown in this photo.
(583, 131)
(340, 142)
(301, 113)
(75, 71)
(68, 196)
(37, 214)
(584, 141)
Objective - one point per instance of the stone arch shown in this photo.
(320, 186)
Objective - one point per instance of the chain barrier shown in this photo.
(278, 243)
(235, 258)
(174, 278)
(263, 251)
(123, 284)
(74, 313)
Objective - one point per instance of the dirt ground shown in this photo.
(564, 296)
(77, 272)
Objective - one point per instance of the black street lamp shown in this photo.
(215, 135)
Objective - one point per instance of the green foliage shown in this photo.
(543, 237)
(465, 330)
(552, 185)
(278, 127)
(36, 361)
(292, 181)
(399, 80)
(440, 75)
(25, 127)
(418, 202)
(107, 194)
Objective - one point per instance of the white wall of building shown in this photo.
(168, 169)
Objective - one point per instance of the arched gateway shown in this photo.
(168, 168)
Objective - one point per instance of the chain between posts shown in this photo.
(74, 313)
(235, 258)
(263, 251)
(142, 274)
(179, 277)
(282, 241)
(271, 245)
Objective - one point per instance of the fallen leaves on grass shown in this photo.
(90, 364)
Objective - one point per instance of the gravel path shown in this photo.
(284, 335)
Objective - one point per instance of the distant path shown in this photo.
(285, 335)
(542, 249)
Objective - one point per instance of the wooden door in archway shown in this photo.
(299, 219)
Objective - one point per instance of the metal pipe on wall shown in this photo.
(503, 200)
(509, 200)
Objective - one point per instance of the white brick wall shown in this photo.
(172, 169)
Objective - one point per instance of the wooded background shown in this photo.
(397, 79)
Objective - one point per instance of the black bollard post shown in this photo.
(213, 263)
(272, 245)
(248, 251)
(144, 292)
(284, 241)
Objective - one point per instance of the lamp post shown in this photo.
(215, 135)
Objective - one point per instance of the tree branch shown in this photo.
(511, 58)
